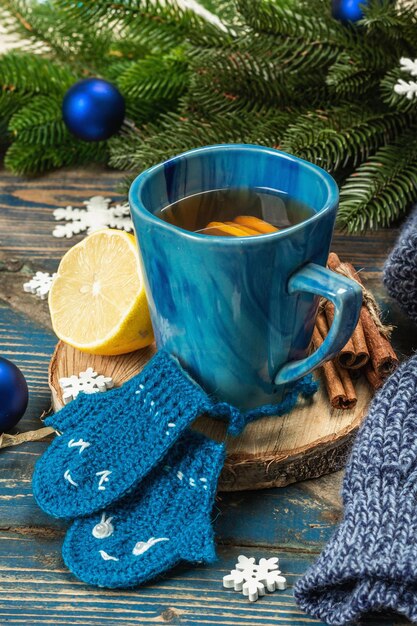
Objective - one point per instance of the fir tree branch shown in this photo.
(10, 103)
(31, 73)
(175, 134)
(39, 122)
(30, 159)
(154, 85)
(170, 18)
(347, 78)
(393, 99)
(204, 100)
(156, 78)
(277, 18)
(274, 72)
(225, 10)
(392, 22)
(381, 189)
(343, 135)
(47, 29)
(280, 51)
(257, 78)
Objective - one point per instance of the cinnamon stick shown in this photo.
(382, 356)
(334, 262)
(322, 326)
(338, 382)
(354, 354)
(375, 380)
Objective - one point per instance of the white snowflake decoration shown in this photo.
(408, 65)
(98, 214)
(88, 382)
(39, 285)
(251, 578)
(407, 88)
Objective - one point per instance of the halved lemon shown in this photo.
(97, 300)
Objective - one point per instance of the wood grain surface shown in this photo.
(312, 440)
(293, 523)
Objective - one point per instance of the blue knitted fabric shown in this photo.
(370, 564)
(305, 387)
(111, 441)
(400, 270)
(167, 519)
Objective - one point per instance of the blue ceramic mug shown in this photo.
(239, 312)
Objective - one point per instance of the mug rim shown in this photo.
(140, 180)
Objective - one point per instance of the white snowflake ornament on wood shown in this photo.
(39, 285)
(252, 579)
(97, 215)
(87, 382)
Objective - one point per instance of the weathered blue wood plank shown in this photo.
(263, 518)
(37, 589)
(26, 225)
(266, 518)
(30, 347)
(285, 518)
(26, 220)
(26, 206)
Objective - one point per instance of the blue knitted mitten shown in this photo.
(400, 271)
(111, 441)
(370, 564)
(164, 521)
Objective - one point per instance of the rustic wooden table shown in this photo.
(292, 523)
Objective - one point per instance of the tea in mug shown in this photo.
(236, 212)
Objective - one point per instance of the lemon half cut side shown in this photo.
(97, 300)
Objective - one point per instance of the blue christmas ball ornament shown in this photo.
(13, 394)
(93, 109)
(348, 10)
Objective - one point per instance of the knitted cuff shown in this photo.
(370, 564)
(111, 441)
(167, 519)
(173, 374)
(344, 586)
(165, 380)
(400, 270)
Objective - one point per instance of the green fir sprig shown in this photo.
(283, 73)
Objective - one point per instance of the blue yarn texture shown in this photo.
(111, 441)
(370, 564)
(305, 387)
(167, 519)
(141, 484)
(400, 270)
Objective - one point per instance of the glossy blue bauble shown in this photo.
(93, 109)
(13, 394)
(348, 10)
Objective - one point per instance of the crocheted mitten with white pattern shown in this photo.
(167, 519)
(370, 564)
(400, 270)
(110, 441)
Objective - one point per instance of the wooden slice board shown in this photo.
(311, 441)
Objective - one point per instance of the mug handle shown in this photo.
(346, 296)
